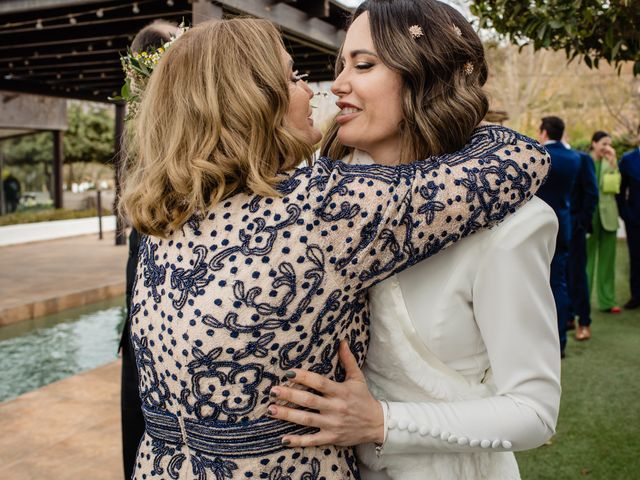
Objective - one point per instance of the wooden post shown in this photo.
(99, 205)
(2, 205)
(118, 160)
(203, 10)
(58, 161)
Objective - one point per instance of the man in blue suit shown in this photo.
(565, 165)
(584, 199)
(629, 207)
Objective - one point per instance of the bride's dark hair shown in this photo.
(443, 72)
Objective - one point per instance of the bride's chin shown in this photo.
(346, 139)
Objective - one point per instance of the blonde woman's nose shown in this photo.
(307, 89)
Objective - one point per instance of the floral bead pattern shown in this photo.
(257, 286)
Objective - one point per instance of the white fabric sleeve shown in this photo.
(515, 312)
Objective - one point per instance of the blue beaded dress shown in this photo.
(257, 286)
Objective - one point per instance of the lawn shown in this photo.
(598, 433)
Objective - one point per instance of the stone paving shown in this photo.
(67, 430)
(47, 277)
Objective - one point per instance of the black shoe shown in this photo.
(571, 324)
(562, 354)
(631, 304)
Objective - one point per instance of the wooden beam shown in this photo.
(32, 112)
(204, 10)
(16, 6)
(289, 18)
(58, 161)
(43, 89)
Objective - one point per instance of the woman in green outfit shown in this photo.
(601, 244)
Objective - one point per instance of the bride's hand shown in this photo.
(346, 413)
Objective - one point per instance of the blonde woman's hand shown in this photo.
(345, 413)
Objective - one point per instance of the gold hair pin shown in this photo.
(468, 68)
(416, 31)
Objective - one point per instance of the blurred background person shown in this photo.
(601, 244)
(153, 35)
(12, 190)
(584, 199)
(556, 192)
(629, 206)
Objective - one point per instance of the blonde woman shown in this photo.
(463, 366)
(250, 268)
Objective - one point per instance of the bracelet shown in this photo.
(385, 409)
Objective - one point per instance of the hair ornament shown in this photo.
(416, 31)
(457, 30)
(468, 68)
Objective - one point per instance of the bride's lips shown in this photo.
(348, 112)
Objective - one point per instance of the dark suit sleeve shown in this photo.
(132, 263)
(589, 183)
(622, 197)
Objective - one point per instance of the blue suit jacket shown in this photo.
(584, 197)
(629, 197)
(556, 191)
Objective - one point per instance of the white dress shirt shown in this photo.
(464, 352)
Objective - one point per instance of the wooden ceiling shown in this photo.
(71, 48)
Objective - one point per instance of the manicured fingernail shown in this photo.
(271, 411)
(273, 393)
(285, 441)
(290, 374)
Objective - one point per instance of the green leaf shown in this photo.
(616, 49)
(608, 38)
(125, 91)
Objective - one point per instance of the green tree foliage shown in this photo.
(592, 30)
(90, 138)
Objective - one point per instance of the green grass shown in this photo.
(30, 216)
(598, 433)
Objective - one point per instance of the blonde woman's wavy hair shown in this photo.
(443, 72)
(212, 123)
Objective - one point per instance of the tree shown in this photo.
(90, 138)
(592, 30)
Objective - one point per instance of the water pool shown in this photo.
(37, 352)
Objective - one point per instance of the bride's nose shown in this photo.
(340, 86)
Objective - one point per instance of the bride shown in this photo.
(463, 366)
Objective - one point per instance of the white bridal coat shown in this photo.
(464, 348)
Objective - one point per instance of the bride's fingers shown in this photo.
(314, 381)
(293, 415)
(312, 440)
(300, 397)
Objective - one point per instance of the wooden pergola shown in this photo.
(71, 48)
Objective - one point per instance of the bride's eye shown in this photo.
(296, 77)
(363, 65)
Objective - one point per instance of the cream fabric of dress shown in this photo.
(464, 347)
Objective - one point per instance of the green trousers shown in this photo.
(601, 264)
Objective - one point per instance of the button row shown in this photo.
(445, 436)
